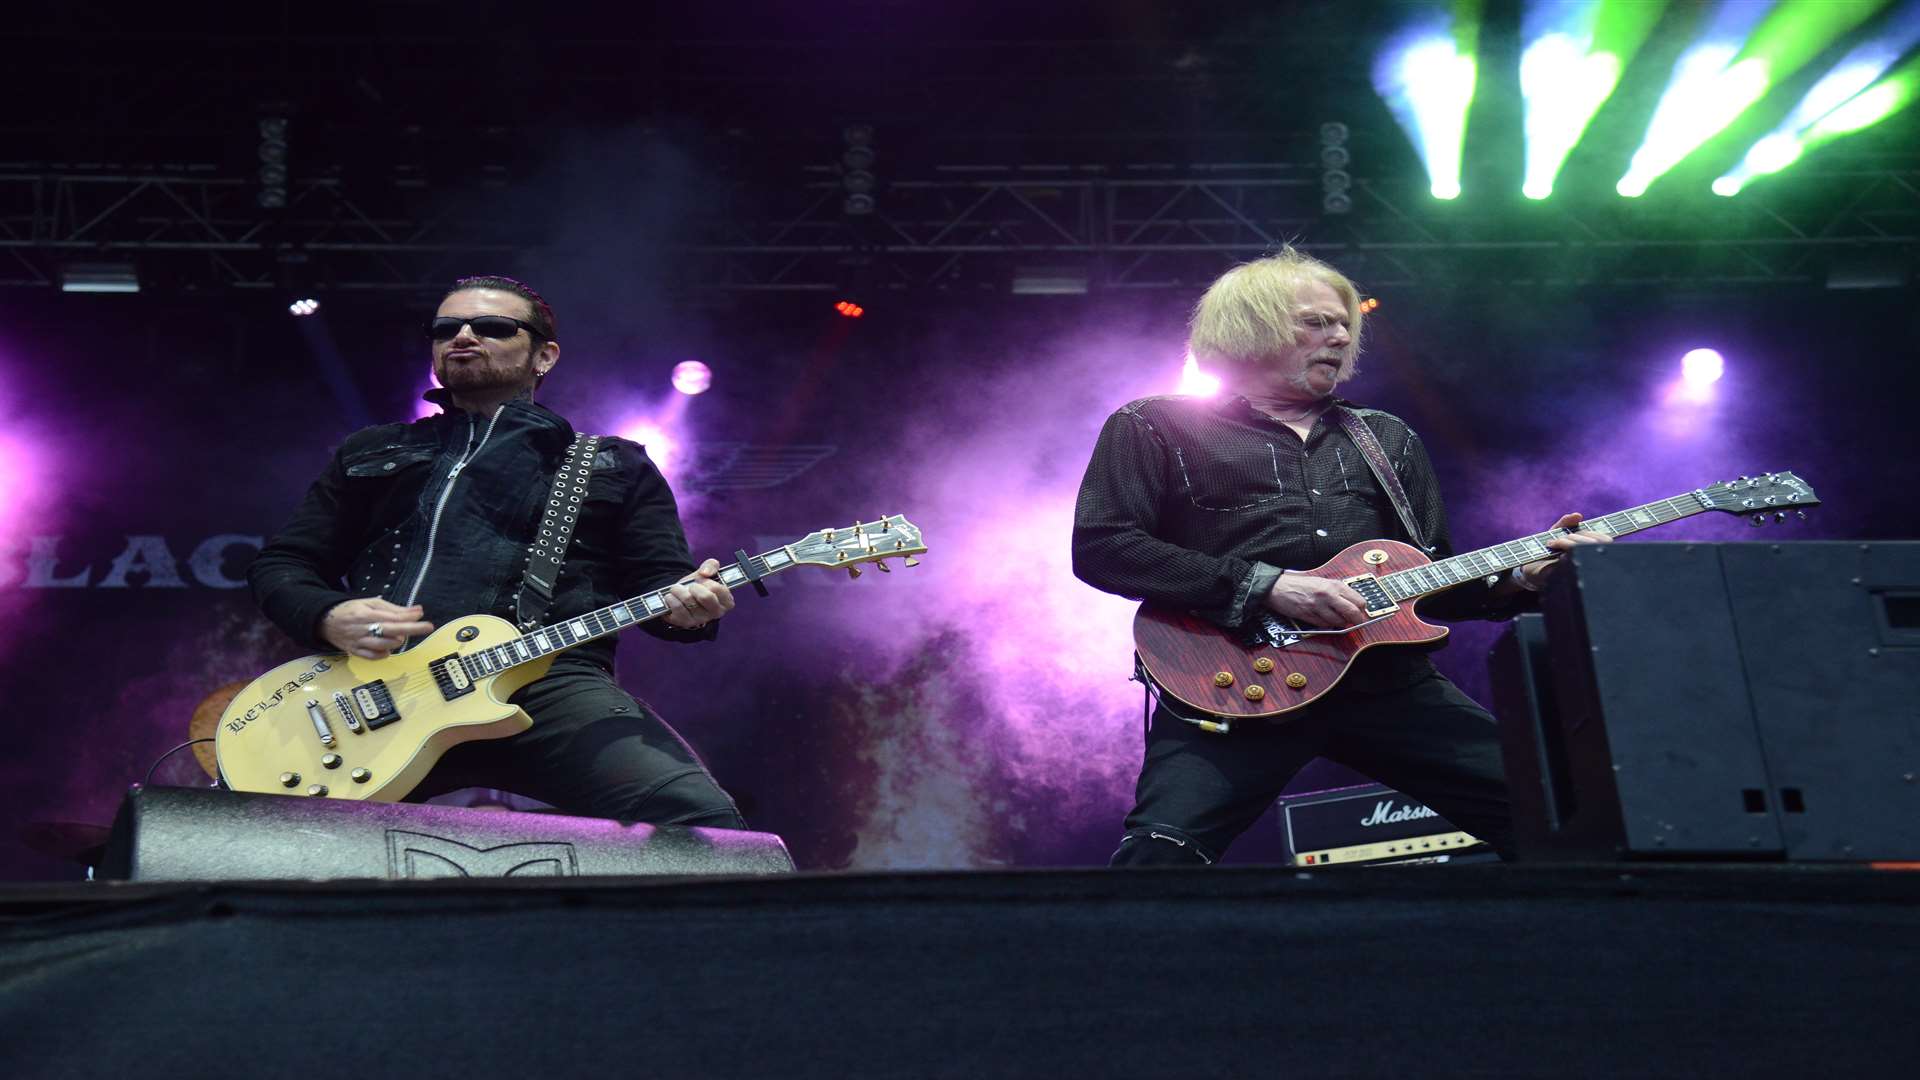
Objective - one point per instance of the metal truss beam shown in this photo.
(1116, 228)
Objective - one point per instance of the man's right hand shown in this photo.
(349, 627)
(1317, 601)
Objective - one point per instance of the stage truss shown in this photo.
(196, 228)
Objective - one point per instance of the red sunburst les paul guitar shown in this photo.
(1275, 666)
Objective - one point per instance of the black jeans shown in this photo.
(593, 750)
(1199, 791)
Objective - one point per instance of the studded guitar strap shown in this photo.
(549, 548)
(1376, 455)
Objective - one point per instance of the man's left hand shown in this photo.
(699, 598)
(1534, 574)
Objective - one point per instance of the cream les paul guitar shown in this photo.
(341, 727)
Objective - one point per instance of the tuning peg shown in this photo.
(1759, 520)
(911, 561)
(886, 525)
(881, 565)
(1779, 516)
(1801, 514)
(853, 571)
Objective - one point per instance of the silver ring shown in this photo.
(376, 630)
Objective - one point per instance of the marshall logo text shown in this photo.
(1384, 813)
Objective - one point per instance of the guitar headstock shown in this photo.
(862, 542)
(1769, 493)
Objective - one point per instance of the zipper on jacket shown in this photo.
(439, 507)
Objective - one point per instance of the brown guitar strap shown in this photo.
(1376, 455)
(549, 547)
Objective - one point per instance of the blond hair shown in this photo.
(1248, 313)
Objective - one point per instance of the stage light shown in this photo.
(1196, 382)
(1371, 303)
(1570, 65)
(850, 309)
(1844, 100)
(1702, 367)
(272, 194)
(1728, 71)
(660, 443)
(303, 306)
(1049, 281)
(100, 278)
(1335, 180)
(692, 377)
(1427, 77)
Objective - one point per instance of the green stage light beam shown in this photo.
(1427, 75)
(1718, 79)
(1853, 93)
(1571, 64)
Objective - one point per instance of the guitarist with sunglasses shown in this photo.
(413, 525)
(1201, 506)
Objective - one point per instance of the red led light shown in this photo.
(850, 309)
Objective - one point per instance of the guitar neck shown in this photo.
(1433, 577)
(613, 618)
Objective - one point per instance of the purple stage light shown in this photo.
(1702, 367)
(1196, 382)
(692, 377)
(661, 443)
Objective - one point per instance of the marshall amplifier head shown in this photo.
(1370, 824)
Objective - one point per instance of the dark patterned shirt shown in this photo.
(1198, 505)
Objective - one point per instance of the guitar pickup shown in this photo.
(374, 702)
(1375, 594)
(450, 675)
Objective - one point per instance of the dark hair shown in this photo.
(541, 312)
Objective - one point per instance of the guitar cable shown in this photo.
(156, 761)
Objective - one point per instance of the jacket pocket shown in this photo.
(386, 461)
(1229, 479)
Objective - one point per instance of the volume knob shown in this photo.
(289, 779)
(316, 789)
(360, 776)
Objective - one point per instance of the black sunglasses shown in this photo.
(447, 327)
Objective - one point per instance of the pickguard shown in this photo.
(1272, 631)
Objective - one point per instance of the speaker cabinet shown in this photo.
(203, 834)
(1717, 701)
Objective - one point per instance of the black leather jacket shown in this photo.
(376, 523)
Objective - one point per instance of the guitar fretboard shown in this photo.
(1408, 584)
(610, 619)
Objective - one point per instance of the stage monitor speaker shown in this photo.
(205, 834)
(1717, 701)
(1830, 636)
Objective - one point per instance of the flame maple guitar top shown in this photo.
(1185, 655)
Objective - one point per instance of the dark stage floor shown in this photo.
(1422, 971)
